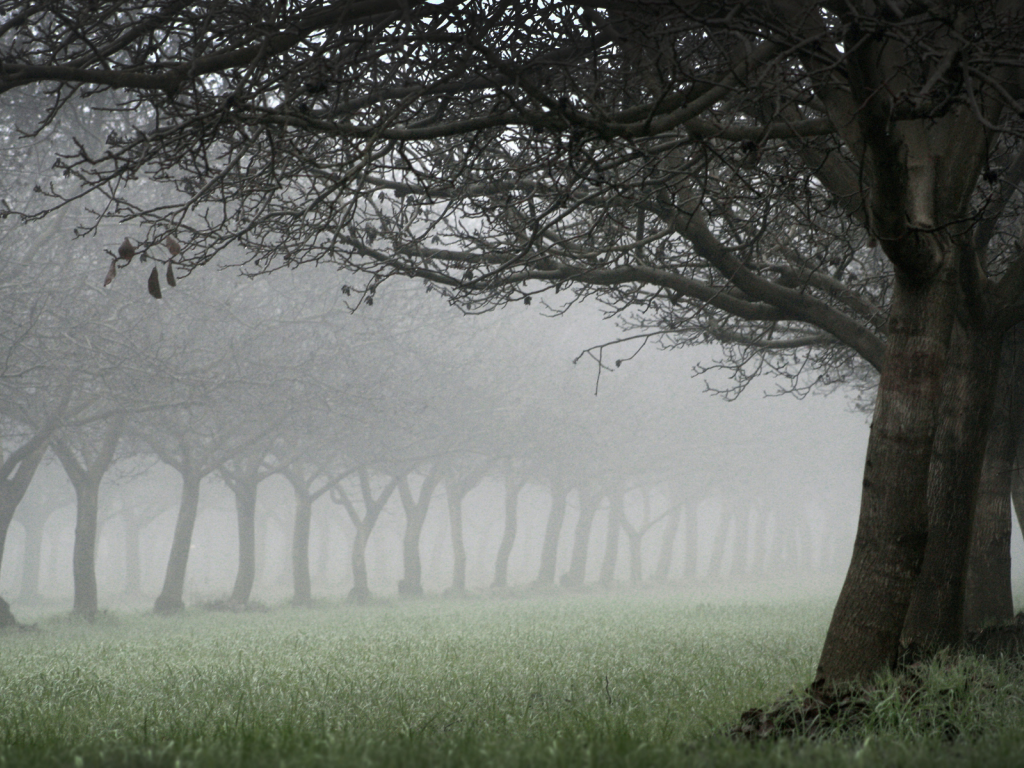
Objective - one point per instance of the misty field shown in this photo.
(642, 679)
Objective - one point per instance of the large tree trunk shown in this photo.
(245, 506)
(549, 552)
(989, 597)
(668, 539)
(83, 558)
(513, 486)
(171, 597)
(935, 615)
(864, 634)
(589, 499)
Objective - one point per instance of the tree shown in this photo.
(775, 177)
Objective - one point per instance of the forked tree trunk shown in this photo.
(549, 552)
(19, 474)
(85, 476)
(864, 634)
(171, 597)
(411, 584)
(589, 499)
(935, 615)
(513, 487)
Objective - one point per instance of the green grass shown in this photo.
(648, 679)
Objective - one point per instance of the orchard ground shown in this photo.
(632, 678)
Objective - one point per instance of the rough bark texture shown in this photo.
(171, 597)
(549, 552)
(935, 615)
(864, 634)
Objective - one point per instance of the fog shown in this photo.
(766, 483)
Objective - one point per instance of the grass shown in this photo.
(651, 679)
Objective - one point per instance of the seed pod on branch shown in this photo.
(126, 251)
(110, 273)
(154, 284)
(172, 245)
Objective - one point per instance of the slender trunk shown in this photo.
(171, 597)
(740, 545)
(301, 585)
(360, 592)
(690, 545)
(616, 512)
(549, 552)
(935, 615)
(757, 563)
(245, 506)
(132, 564)
(668, 539)
(411, 584)
(458, 586)
(513, 486)
(30, 565)
(589, 501)
(864, 634)
(718, 547)
(635, 540)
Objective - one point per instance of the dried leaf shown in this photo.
(170, 277)
(110, 273)
(126, 251)
(154, 284)
(172, 246)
